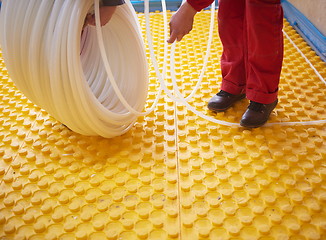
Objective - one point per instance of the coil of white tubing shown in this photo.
(62, 71)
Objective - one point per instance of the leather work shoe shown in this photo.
(257, 114)
(223, 100)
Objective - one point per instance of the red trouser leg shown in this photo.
(262, 53)
(231, 26)
(265, 49)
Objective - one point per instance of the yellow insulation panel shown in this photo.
(174, 175)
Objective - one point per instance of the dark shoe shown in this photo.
(223, 100)
(257, 114)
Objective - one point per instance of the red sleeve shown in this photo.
(198, 5)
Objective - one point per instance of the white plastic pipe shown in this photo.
(185, 100)
(95, 83)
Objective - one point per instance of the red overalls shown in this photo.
(251, 34)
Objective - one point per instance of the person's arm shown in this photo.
(182, 21)
(199, 5)
(106, 12)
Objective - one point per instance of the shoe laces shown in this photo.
(257, 107)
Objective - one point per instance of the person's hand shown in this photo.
(181, 22)
(106, 13)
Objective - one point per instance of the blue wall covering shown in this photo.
(156, 5)
(305, 28)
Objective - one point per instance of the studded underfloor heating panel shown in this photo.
(174, 175)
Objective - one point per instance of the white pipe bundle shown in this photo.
(95, 83)
(63, 72)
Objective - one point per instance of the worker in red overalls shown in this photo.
(251, 34)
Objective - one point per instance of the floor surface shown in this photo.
(174, 175)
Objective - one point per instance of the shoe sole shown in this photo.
(255, 126)
(217, 110)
